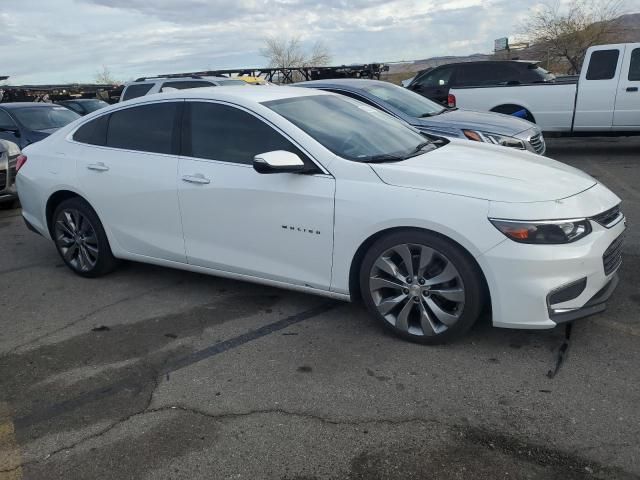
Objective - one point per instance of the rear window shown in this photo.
(490, 73)
(186, 84)
(602, 65)
(93, 132)
(634, 67)
(135, 91)
(147, 128)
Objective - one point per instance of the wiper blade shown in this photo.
(382, 159)
(396, 158)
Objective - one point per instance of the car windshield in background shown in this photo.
(351, 130)
(44, 118)
(93, 105)
(404, 100)
(544, 75)
(230, 83)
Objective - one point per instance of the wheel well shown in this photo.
(53, 202)
(510, 108)
(354, 272)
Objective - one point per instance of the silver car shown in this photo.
(9, 153)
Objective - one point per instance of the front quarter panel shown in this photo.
(367, 206)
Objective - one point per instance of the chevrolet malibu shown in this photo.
(316, 192)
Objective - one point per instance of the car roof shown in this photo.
(145, 80)
(484, 62)
(81, 100)
(16, 105)
(231, 94)
(341, 82)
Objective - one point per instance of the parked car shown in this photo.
(311, 191)
(148, 85)
(9, 153)
(82, 106)
(434, 83)
(604, 101)
(25, 122)
(432, 118)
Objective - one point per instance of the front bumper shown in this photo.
(8, 194)
(533, 140)
(523, 277)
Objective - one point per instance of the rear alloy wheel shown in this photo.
(80, 239)
(421, 286)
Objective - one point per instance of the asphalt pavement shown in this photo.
(153, 373)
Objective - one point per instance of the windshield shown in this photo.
(93, 105)
(406, 101)
(350, 129)
(44, 118)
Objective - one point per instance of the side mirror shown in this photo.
(278, 161)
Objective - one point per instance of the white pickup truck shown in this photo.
(605, 100)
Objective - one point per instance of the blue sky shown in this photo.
(46, 41)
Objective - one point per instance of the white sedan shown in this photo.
(316, 192)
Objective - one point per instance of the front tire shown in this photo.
(421, 286)
(81, 240)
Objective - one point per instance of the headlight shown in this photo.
(544, 232)
(495, 139)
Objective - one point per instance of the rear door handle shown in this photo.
(197, 178)
(98, 167)
(632, 89)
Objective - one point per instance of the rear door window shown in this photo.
(634, 66)
(602, 65)
(146, 128)
(135, 91)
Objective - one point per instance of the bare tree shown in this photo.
(290, 53)
(104, 76)
(567, 34)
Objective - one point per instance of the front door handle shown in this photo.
(98, 167)
(197, 178)
(632, 89)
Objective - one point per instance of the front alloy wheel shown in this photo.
(417, 289)
(422, 286)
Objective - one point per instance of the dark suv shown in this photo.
(435, 83)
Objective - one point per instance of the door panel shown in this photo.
(128, 174)
(274, 226)
(135, 194)
(277, 226)
(597, 89)
(627, 112)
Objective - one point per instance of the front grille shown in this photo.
(612, 257)
(609, 217)
(537, 142)
(3, 179)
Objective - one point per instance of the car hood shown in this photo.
(486, 172)
(469, 120)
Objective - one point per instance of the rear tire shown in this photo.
(81, 240)
(421, 286)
